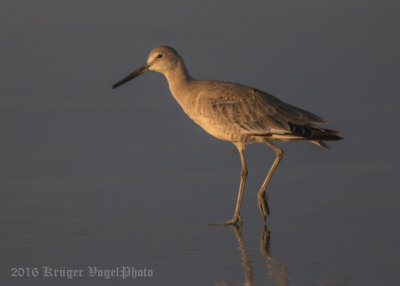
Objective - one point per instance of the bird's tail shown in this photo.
(325, 134)
(319, 135)
(314, 135)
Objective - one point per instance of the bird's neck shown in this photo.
(179, 81)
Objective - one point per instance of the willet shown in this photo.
(236, 113)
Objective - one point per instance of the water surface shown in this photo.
(95, 177)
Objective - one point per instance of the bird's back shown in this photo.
(235, 112)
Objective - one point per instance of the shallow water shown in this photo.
(92, 177)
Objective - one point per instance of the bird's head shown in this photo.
(161, 59)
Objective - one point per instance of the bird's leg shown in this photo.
(262, 195)
(243, 175)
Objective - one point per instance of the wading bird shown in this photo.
(236, 113)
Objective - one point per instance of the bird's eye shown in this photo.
(159, 56)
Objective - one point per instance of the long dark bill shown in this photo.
(136, 73)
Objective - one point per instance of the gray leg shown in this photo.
(243, 176)
(262, 195)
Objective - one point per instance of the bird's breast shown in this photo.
(213, 121)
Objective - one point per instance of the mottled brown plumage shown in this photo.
(236, 113)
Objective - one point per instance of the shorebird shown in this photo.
(236, 113)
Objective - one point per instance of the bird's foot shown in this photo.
(263, 205)
(236, 220)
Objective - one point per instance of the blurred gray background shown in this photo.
(94, 176)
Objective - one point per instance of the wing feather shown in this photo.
(253, 110)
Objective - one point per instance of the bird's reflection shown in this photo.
(277, 272)
(246, 262)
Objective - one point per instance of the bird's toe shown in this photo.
(236, 220)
